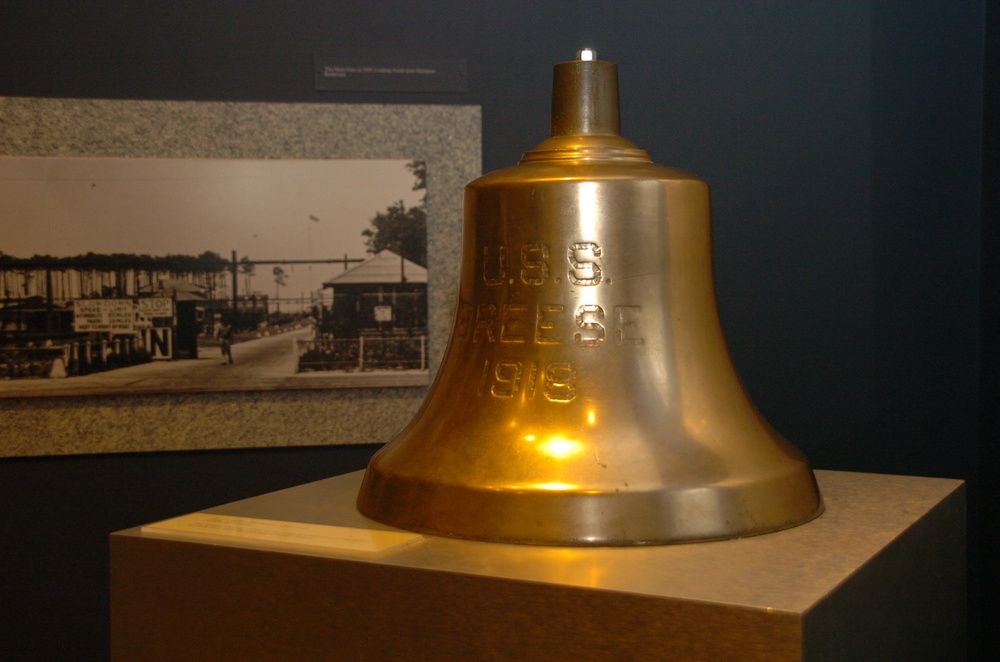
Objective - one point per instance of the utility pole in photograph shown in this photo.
(246, 266)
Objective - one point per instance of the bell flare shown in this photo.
(587, 396)
(566, 514)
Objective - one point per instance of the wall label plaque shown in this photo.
(287, 535)
(391, 75)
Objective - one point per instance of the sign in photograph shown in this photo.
(160, 343)
(156, 307)
(103, 315)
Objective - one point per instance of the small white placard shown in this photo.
(290, 535)
(154, 307)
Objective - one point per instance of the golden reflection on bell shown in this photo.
(587, 396)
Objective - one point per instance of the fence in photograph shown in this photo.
(66, 359)
(363, 353)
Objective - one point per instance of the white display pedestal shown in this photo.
(879, 576)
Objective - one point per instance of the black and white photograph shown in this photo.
(147, 275)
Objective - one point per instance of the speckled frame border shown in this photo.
(448, 138)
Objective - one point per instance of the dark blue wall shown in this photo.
(843, 141)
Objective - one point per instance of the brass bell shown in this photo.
(587, 396)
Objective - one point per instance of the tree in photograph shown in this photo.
(280, 279)
(419, 170)
(246, 268)
(94, 275)
(402, 230)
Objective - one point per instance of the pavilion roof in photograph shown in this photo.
(383, 267)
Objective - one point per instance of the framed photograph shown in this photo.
(157, 275)
(226, 275)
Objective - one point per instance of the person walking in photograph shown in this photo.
(226, 336)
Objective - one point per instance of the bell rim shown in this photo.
(467, 512)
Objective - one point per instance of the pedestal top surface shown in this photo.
(790, 570)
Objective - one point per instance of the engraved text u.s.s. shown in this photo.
(542, 323)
